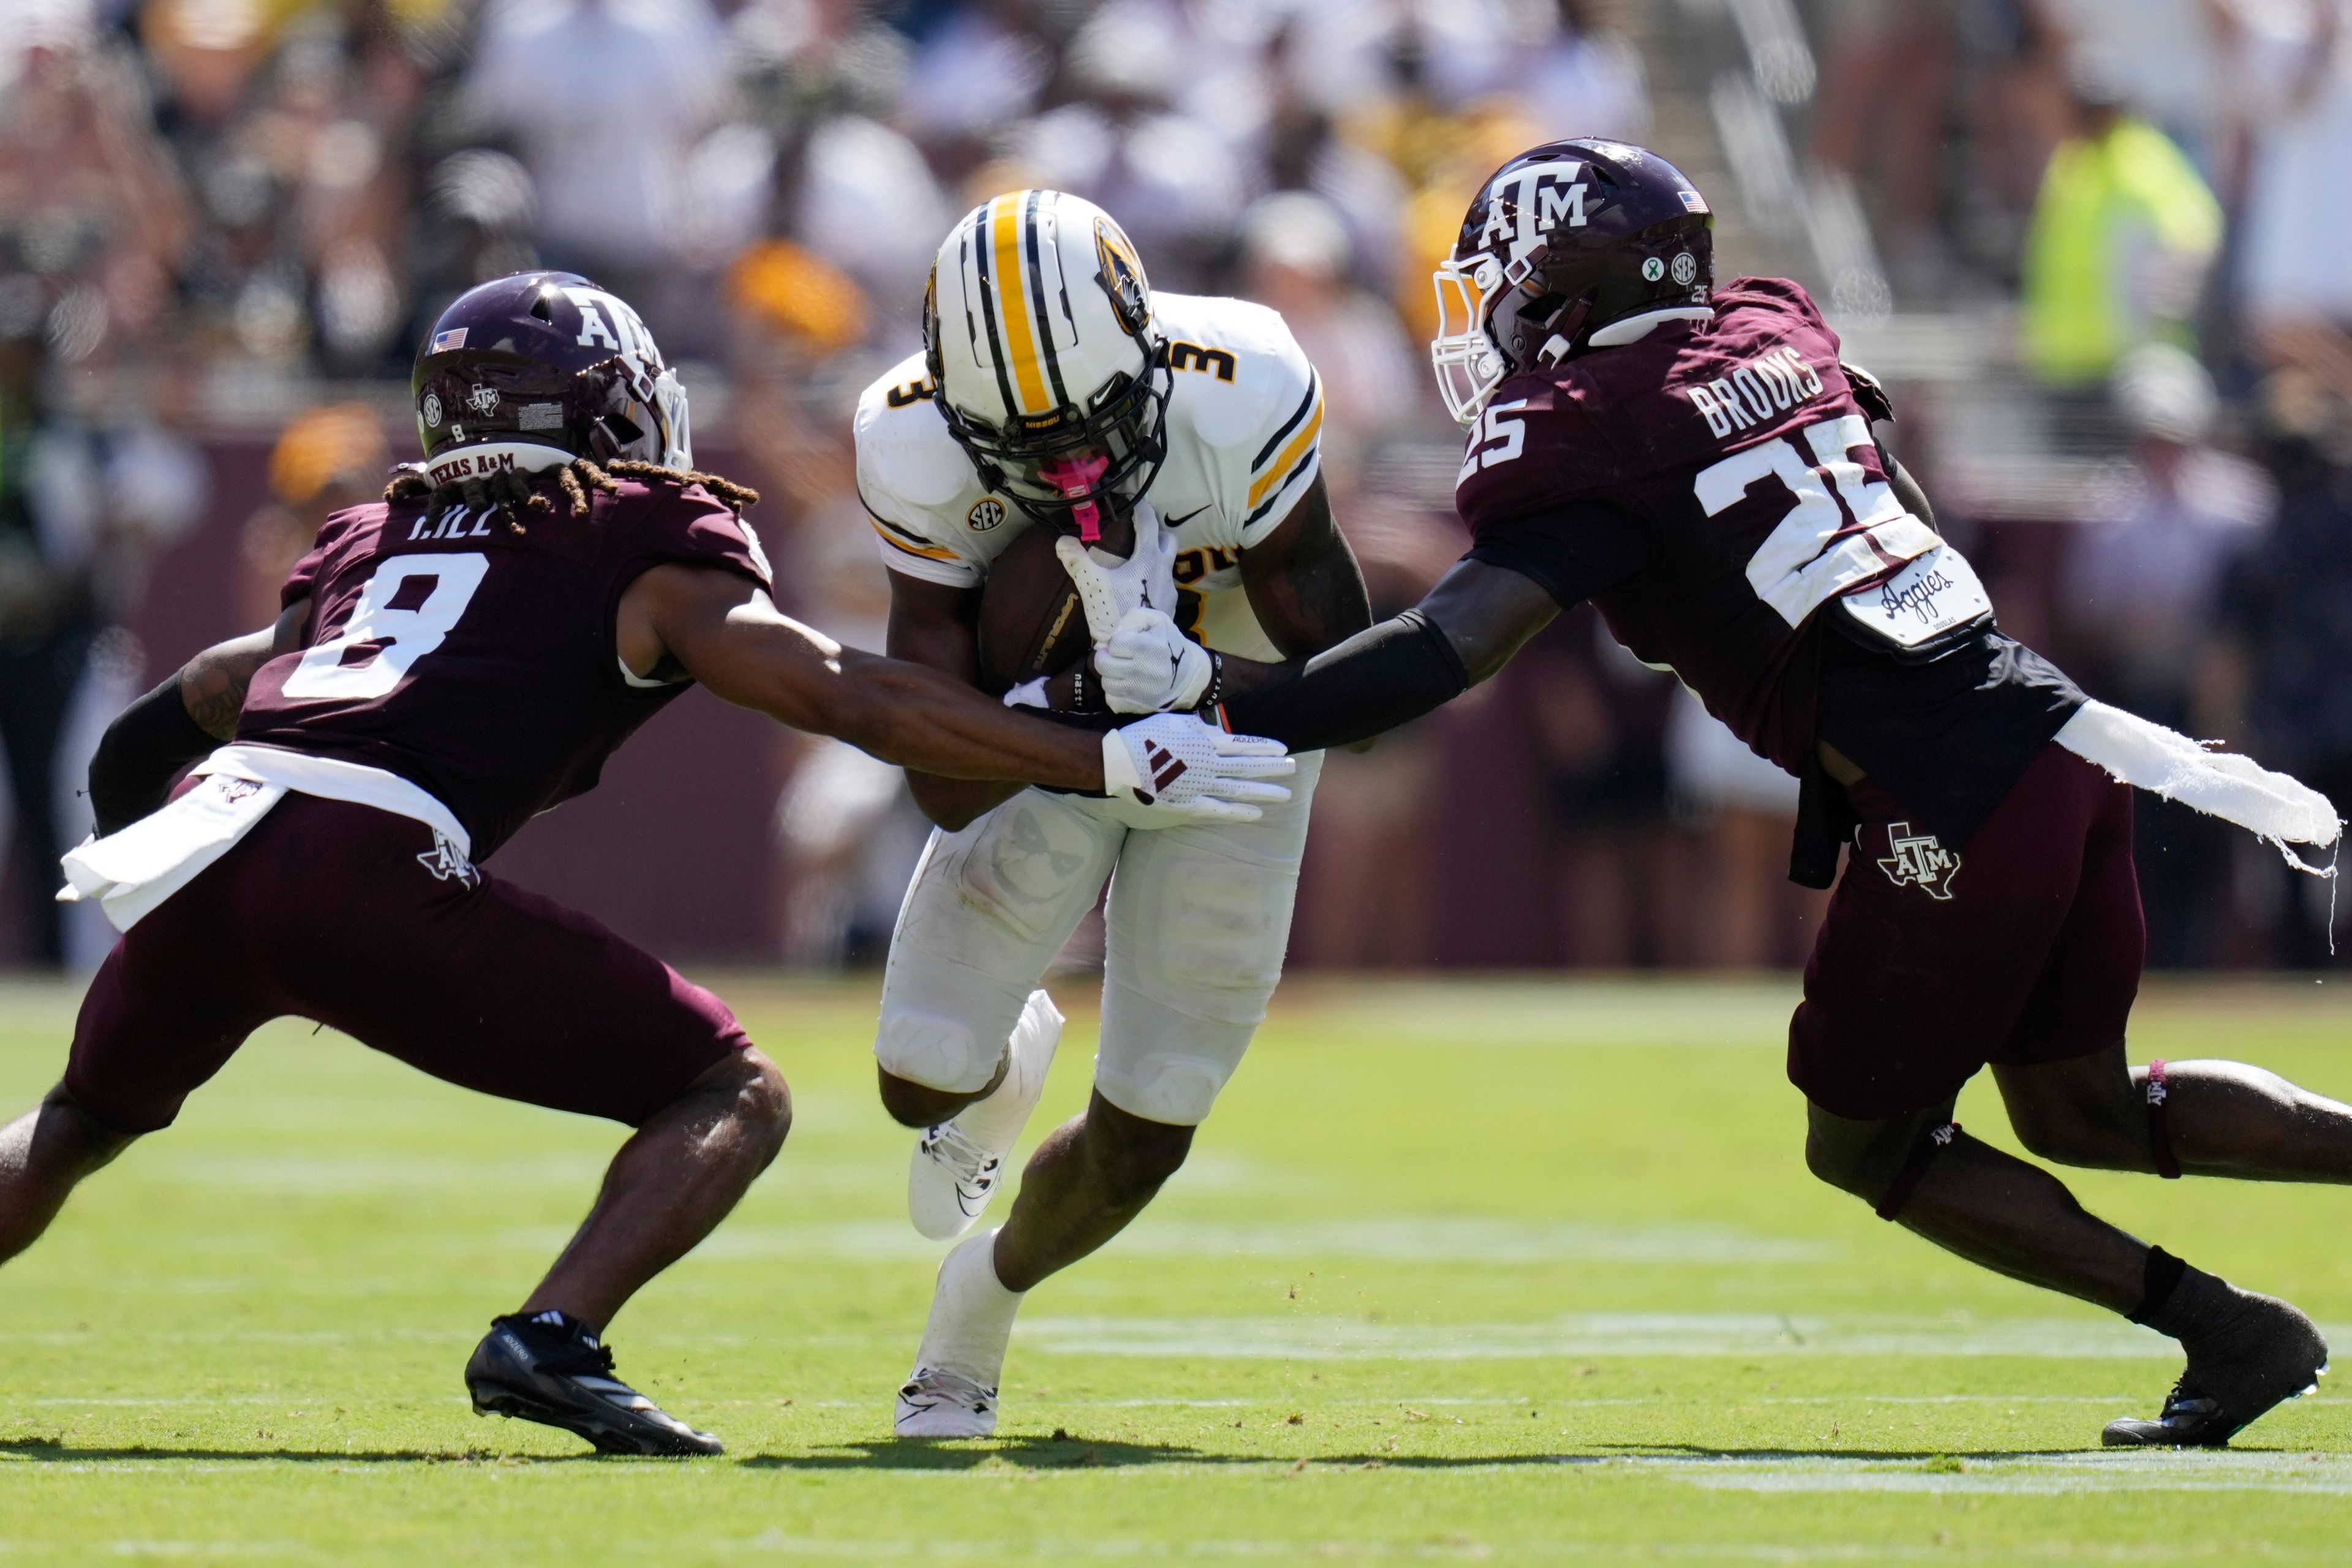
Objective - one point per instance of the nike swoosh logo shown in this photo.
(1181, 522)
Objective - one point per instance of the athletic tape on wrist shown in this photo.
(1930, 1142)
(2159, 1126)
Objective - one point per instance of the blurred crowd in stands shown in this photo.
(2095, 245)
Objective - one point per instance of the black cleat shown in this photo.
(550, 1370)
(2266, 1354)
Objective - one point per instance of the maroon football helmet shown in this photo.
(1563, 243)
(550, 359)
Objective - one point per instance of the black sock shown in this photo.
(2182, 1301)
(2156, 1284)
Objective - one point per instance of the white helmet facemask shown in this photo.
(1464, 358)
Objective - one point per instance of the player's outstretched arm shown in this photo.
(180, 720)
(934, 625)
(724, 631)
(1466, 629)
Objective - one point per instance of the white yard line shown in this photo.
(1380, 1238)
(2328, 1474)
(1587, 1335)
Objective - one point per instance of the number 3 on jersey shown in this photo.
(404, 612)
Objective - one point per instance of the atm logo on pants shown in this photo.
(1920, 859)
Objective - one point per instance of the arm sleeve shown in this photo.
(1382, 676)
(1574, 549)
(142, 752)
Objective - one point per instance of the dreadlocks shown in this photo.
(510, 495)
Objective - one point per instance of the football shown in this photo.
(1031, 623)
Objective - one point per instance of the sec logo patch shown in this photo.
(985, 515)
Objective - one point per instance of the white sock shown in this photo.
(972, 1314)
(996, 1121)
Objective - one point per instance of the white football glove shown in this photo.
(1183, 770)
(1147, 666)
(1109, 588)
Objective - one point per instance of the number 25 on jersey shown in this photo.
(404, 611)
(1497, 437)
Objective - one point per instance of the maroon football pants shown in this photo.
(2022, 946)
(345, 914)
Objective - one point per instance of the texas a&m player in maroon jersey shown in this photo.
(1697, 462)
(450, 663)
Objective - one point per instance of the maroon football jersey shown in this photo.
(476, 662)
(1739, 443)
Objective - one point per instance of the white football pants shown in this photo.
(1198, 919)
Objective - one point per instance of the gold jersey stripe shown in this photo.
(927, 554)
(1013, 293)
(1292, 455)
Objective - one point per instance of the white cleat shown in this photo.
(937, 1404)
(959, 1164)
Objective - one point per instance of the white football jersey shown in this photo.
(1245, 419)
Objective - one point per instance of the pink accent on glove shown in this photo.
(1075, 476)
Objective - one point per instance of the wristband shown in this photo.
(1215, 693)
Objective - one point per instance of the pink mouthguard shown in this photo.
(1077, 476)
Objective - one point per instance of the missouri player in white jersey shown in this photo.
(1172, 443)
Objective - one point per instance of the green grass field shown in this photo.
(1499, 1272)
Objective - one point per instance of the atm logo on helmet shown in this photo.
(1524, 205)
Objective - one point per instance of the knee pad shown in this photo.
(1930, 1142)
(1163, 1064)
(1163, 1087)
(935, 1051)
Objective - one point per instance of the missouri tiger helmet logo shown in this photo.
(1122, 277)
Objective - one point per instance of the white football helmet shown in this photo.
(1037, 327)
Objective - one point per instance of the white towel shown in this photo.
(2277, 808)
(131, 872)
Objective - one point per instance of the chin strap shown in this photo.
(2159, 1126)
